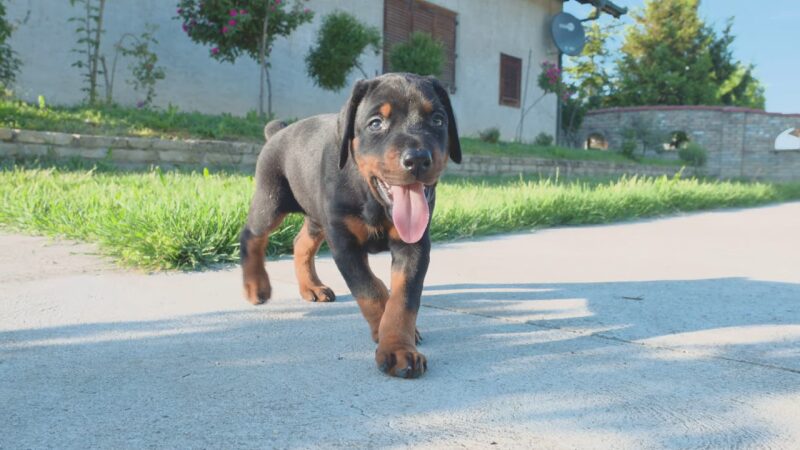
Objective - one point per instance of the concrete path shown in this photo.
(674, 333)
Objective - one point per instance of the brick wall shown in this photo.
(740, 142)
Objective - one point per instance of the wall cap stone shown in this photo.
(728, 109)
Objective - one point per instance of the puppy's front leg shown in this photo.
(346, 243)
(397, 353)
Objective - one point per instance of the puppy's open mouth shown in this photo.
(409, 207)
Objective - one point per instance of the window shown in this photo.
(403, 17)
(596, 141)
(510, 80)
(677, 141)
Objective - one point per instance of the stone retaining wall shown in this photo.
(132, 152)
(503, 165)
(128, 152)
(740, 142)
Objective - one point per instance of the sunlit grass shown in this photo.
(190, 220)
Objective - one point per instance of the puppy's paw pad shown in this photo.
(402, 363)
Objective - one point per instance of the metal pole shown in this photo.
(558, 103)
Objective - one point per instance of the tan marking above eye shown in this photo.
(386, 109)
(427, 106)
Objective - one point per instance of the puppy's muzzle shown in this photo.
(416, 161)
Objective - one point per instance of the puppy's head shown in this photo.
(399, 130)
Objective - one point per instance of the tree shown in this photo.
(236, 27)
(341, 41)
(9, 63)
(736, 84)
(589, 80)
(666, 58)
(588, 72)
(422, 55)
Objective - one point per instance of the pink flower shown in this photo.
(215, 50)
(185, 28)
(232, 22)
(277, 2)
(224, 29)
(232, 13)
(242, 12)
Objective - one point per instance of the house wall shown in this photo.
(195, 82)
(740, 142)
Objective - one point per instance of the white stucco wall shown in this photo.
(196, 82)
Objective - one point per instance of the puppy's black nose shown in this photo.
(416, 161)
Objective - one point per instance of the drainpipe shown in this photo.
(558, 103)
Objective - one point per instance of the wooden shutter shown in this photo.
(402, 17)
(510, 80)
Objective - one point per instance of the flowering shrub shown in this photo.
(550, 81)
(233, 27)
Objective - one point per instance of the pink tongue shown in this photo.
(410, 211)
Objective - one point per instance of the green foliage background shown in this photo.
(9, 63)
(341, 41)
(669, 56)
(422, 55)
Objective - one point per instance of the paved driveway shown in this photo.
(680, 333)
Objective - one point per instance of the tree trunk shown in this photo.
(262, 63)
(95, 55)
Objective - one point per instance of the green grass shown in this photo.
(478, 147)
(190, 220)
(121, 121)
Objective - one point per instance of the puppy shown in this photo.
(365, 180)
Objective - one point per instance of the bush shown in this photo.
(628, 149)
(693, 154)
(490, 135)
(9, 63)
(543, 140)
(422, 55)
(340, 43)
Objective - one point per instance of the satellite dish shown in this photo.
(568, 33)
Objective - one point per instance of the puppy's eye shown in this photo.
(375, 124)
(437, 120)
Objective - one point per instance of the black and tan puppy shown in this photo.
(365, 180)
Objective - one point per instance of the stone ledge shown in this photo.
(142, 152)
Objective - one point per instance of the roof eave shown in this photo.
(606, 6)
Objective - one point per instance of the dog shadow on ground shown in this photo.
(674, 363)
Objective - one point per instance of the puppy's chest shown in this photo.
(377, 227)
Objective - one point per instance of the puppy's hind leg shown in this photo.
(306, 245)
(264, 217)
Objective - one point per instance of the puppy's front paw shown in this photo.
(404, 362)
(317, 294)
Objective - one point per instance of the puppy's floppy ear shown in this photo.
(347, 119)
(454, 146)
